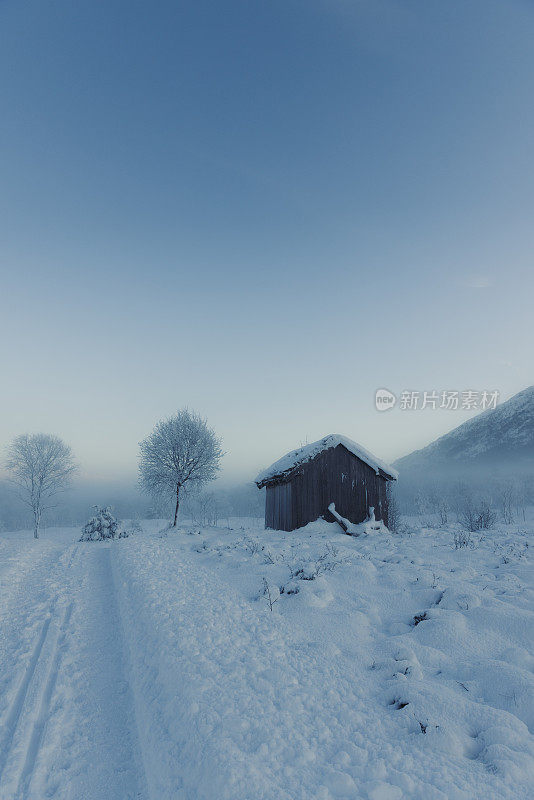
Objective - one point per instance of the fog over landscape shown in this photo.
(266, 400)
(268, 255)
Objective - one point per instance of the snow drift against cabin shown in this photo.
(309, 451)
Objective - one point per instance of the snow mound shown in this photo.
(369, 525)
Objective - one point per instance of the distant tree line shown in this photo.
(475, 501)
(177, 461)
(210, 506)
(182, 455)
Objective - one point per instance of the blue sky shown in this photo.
(264, 211)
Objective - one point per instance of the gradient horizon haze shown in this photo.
(265, 212)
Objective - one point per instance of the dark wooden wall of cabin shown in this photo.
(354, 486)
(278, 507)
(334, 476)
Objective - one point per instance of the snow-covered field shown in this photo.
(169, 665)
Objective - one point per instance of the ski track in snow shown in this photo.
(68, 730)
(25, 720)
(44, 705)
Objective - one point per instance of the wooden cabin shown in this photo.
(303, 483)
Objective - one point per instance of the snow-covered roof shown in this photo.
(309, 451)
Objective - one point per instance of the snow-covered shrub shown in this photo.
(512, 552)
(252, 545)
(268, 556)
(103, 525)
(462, 539)
(309, 571)
(477, 516)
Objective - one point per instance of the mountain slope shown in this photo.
(500, 437)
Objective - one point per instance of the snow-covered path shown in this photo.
(154, 668)
(67, 724)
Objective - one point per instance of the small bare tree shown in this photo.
(506, 499)
(40, 466)
(207, 507)
(524, 495)
(181, 450)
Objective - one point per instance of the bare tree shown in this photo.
(506, 497)
(205, 510)
(524, 495)
(180, 450)
(40, 466)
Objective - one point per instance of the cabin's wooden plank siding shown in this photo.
(278, 507)
(333, 476)
(269, 510)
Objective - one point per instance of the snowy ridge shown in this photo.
(309, 451)
(503, 434)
